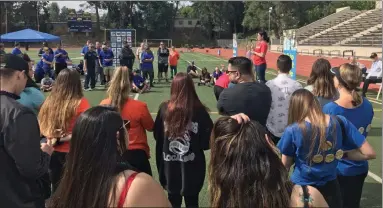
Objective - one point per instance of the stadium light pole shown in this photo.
(270, 9)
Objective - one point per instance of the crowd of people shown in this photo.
(60, 152)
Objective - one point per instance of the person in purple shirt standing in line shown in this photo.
(60, 57)
(107, 56)
(85, 49)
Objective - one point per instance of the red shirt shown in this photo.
(173, 58)
(138, 114)
(82, 107)
(260, 47)
(223, 81)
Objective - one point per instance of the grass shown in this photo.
(372, 191)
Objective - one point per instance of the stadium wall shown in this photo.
(359, 51)
(304, 62)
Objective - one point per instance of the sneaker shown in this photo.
(92, 88)
(87, 89)
(151, 85)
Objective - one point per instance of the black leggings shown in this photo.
(217, 91)
(351, 188)
(369, 81)
(150, 75)
(139, 160)
(56, 167)
(331, 193)
(176, 200)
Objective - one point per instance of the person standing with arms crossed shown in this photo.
(259, 56)
(163, 57)
(99, 69)
(90, 60)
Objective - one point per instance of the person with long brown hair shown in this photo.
(95, 175)
(182, 129)
(321, 82)
(315, 142)
(137, 113)
(58, 115)
(246, 171)
(359, 111)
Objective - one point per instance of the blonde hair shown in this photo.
(351, 76)
(303, 104)
(118, 91)
(61, 104)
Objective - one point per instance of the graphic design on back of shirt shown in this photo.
(180, 146)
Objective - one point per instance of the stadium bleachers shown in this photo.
(325, 23)
(350, 27)
(373, 38)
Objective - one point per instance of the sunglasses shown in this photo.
(126, 125)
(229, 72)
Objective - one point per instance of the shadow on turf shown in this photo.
(372, 195)
(375, 131)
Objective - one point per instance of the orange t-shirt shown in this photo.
(173, 58)
(260, 47)
(82, 107)
(138, 114)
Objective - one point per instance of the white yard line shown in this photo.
(375, 177)
(136, 96)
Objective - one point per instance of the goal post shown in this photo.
(155, 43)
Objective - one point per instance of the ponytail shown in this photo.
(356, 98)
(264, 36)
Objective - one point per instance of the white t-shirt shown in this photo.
(282, 87)
(139, 53)
(375, 70)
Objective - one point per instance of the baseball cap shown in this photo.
(373, 55)
(14, 62)
(336, 71)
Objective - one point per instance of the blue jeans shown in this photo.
(260, 71)
(173, 71)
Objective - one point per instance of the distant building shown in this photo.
(181, 22)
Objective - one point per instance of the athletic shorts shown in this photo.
(108, 70)
(163, 67)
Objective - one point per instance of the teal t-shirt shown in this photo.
(32, 98)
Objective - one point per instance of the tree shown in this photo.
(186, 12)
(54, 12)
(63, 17)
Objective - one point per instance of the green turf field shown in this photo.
(372, 192)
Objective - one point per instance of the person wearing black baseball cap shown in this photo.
(22, 159)
(374, 73)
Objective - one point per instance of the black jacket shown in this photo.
(21, 160)
(181, 161)
(127, 57)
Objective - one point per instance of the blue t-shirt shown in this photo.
(108, 54)
(217, 75)
(306, 172)
(47, 57)
(84, 49)
(16, 51)
(138, 80)
(32, 98)
(39, 69)
(61, 59)
(361, 117)
(147, 66)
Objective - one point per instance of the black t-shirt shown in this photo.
(191, 68)
(91, 59)
(181, 161)
(252, 99)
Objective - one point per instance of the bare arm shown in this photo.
(365, 152)
(287, 162)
